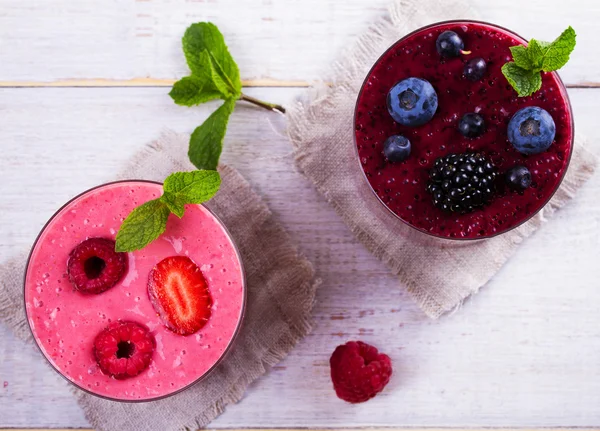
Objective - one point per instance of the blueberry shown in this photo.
(518, 178)
(396, 148)
(475, 69)
(471, 125)
(531, 130)
(449, 44)
(412, 102)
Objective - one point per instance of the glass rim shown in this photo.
(564, 94)
(189, 385)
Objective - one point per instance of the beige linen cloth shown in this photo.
(280, 288)
(439, 274)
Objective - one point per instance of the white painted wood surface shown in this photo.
(284, 40)
(523, 352)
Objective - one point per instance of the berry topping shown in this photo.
(359, 371)
(471, 125)
(94, 266)
(531, 130)
(124, 349)
(462, 182)
(475, 69)
(396, 148)
(518, 178)
(449, 44)
(180, 295)
(412, 102)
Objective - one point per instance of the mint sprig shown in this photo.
(148, 221)
(215, 75)
(524, 72)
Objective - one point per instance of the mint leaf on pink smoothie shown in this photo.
(524, 73)
(148, 221)
(145, 223)
(193, 187)
(174, 205)
(215, 75)
(182, 188)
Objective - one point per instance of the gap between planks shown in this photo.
(155, 82)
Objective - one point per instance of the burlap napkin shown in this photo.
(281, 291)
(321, 131)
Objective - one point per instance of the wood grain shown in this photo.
(278, 40)
(137, 82)
(522, 353)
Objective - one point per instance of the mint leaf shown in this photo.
(142, 226)
(551, 56)
(206, 142)
(206, 36)
(521, 56)
(148, 221)
(536, 51)
(214, 73)
(191, 90)
(524, 73)
(234, 89)
(559, 51)
(525, 82)
(193, 187)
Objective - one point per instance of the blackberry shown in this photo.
(462, 182)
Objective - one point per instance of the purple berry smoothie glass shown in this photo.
(402, 186)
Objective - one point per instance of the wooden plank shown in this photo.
(271, 39)
(522, 353)
(137, 82)
(151, 82)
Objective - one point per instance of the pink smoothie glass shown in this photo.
(64, 322)
(401, 187)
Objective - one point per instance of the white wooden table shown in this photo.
(83, 85)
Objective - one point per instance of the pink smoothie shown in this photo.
(65, 322)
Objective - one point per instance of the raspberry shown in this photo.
(359, 371)
(124, 349)
(94, 266)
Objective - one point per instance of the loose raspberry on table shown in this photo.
(359, 371)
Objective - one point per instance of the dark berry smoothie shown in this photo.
(403, 186)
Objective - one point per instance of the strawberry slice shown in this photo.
(179, 294)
